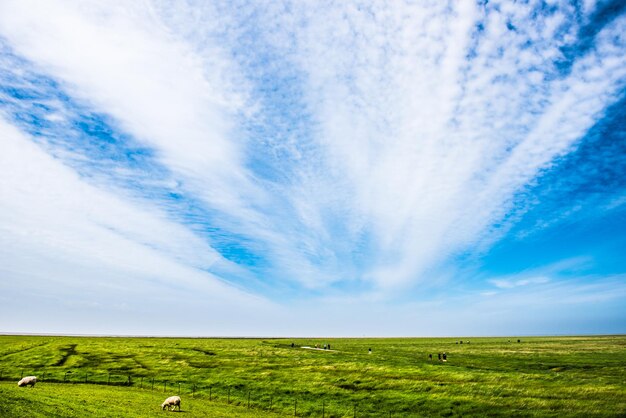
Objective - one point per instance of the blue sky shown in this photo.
(313, 168)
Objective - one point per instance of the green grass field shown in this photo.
(540, 376)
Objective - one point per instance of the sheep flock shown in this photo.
(170, 403)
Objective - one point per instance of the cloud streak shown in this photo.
(429, 130)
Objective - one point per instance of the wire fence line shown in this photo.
(238, 394)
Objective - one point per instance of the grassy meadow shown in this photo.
(105, 376)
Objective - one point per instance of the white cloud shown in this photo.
(119, 59)
(427, 148)
(420, 131)
(62, 236)
(508, 284)
(176, 93)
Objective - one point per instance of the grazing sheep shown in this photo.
(28, 381)
(172, 401)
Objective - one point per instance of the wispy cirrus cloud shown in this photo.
(54, 218)
(428, 130)
(297, 149)
(507, 284)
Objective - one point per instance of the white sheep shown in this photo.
(28, 381)
(172, 401)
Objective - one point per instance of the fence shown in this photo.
(286, 404)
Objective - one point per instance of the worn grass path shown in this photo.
(539, 376)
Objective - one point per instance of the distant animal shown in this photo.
(171, 402)
(28, 381)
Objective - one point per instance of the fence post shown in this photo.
(86, 376)
(164, 386)
(22, 376)
(178, 389)
(109, 379)
(355, 410)
(128, 380)
(248, 399)
(152, 383)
